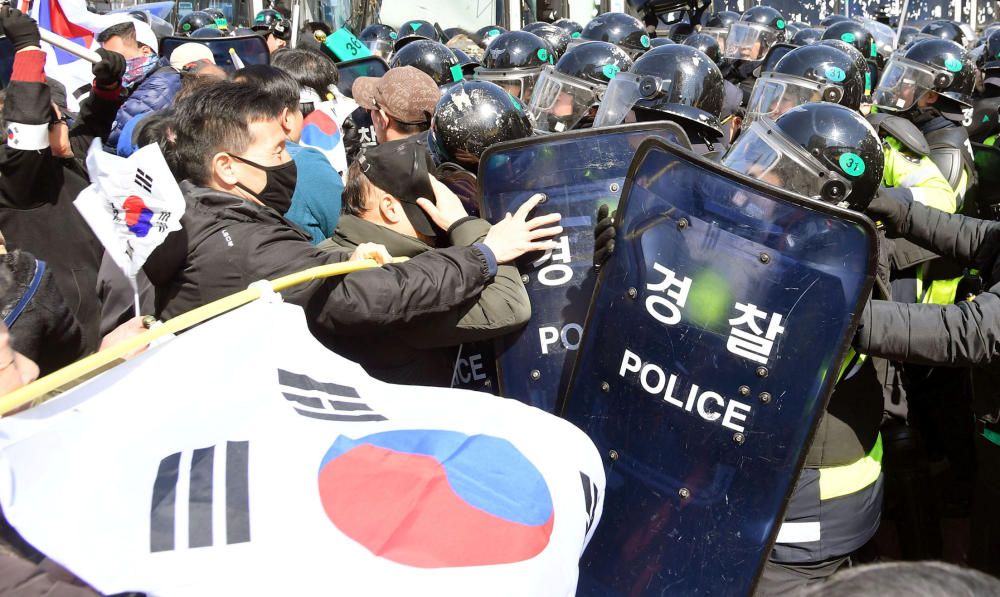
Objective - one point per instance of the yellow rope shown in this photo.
(41, 388)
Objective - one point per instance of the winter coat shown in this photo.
(37, 190)
(422, 353)
(155, 92)
(227, 243)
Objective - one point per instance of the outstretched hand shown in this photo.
(516, 235)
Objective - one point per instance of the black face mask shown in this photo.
(280, 185)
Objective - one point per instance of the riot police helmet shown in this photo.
(821, 150)
(753, 35)
(470, 117)
(928, 65)
(671, 82)
(816, 73)
(379, 38)
(431, 57)
(514, 60)
(194, 21)
(567, 94)
(625, 31)
(707, 44)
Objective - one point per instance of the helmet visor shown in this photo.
(518, 83)
(763, 153)
(719, 33)
(902, 84)
(773, 96)
(558, 102)
(381, 48)
(622, 93)
(749, 41)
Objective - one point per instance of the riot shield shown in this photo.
(578, 171)
(250, 49)
(713, 341)
(369, 66)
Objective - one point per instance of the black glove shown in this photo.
(604, 236)
(889, 207)
(108, 72)
(20, 29)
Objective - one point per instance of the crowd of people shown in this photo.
(844, 111)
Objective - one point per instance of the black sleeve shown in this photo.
(430, 283)
(97, 114)
(969, 241)
(966, 334)
(28, 177)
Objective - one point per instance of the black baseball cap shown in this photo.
(401, 168)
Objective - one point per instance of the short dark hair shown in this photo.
(215, 118)
(272, 81)
(156, 127)
(310, 69)
(354, 201)
(408, 128)
(126, 31)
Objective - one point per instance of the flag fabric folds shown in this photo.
(132, 205)
(242, 457)
(71, 19)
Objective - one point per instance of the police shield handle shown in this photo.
(604, 236)
(67, 46)
(516, 235)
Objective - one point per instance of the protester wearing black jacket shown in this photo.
(227, 140)
(965, 334)
(39, 182)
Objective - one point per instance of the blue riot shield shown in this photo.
(578, 171)
(714, 339)
(251, 49)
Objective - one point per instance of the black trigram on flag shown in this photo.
(590, 495)
(186, 488)
(144, 180)
(326, 400)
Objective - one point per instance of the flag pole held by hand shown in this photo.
(68, 46)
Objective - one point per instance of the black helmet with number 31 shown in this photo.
(821, 150)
